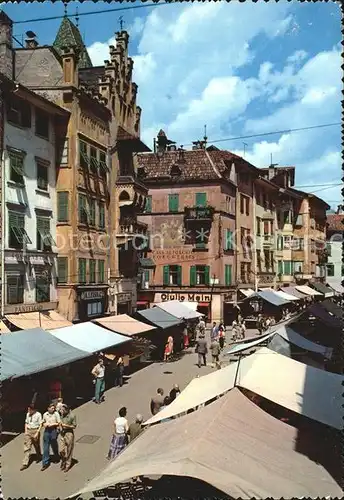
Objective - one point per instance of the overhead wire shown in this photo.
(94, 12)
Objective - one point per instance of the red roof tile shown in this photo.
(335, 222)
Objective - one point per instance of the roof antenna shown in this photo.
(77, 17)
(65, 9)
(245, 144)
(121, 22)
(271, 159)
(205, 136)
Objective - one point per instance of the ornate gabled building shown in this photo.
(99, 194)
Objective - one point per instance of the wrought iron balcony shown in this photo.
(199, 214)
(131, 226)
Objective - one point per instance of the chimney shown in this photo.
(30, 41)
(161, 142)
(340, 210)
(6, 47)
(69, 66)
(181, 157)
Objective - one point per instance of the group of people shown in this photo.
(264, 323)
(123, 433)
(58, 424)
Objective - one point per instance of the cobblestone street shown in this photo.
(94, 421)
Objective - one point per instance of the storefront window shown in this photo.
(94, 308)
(15, 288)
(43, 286)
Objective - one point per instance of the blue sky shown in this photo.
(240, 68)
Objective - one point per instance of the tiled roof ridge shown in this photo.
(69, 34)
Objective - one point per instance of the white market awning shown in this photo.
(89, 337)
(247, 291)
(307, 290)
(233, 445)
(286, 296)
(179, 309)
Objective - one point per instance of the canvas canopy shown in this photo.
(89, 337)
(307, 290)
(312, 392)
(31, 351)
(258, 460)
(298, 340)
(322, 314)
(236, 349)
(336, 285)
(333, 308)
(286, 295)
(291, 290)
(179, 310)
(326, 291)
(124, 325)
(3, 328)
(271, 297)
(247, 291)
(199, 391)
(159, 317)
(303, 389)
(47, 320)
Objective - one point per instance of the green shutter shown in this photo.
(92, 208)
(280, 267)
(148, 207)
(92, 271)
(166, 276)
(62, 206)
(62, 269)
(228, 240)
(173, 202)
(192, 275)
(101, 215)
(146, 276)
(101, 275)
(179, 275)
(228, 275)
(82, 270)
(207, 274)
(201, 199)
(279, 242)
(287, 267)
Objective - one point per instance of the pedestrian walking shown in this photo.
(186, 337)
(215, 350)
(201, 350)
(119, 438)
(66, 438)
(157, 401)
(135, 428)
(51, 421)
(221, 336)
(235, 330)
(59, 405)
(119, 372)
(201, 326)
(214, 331)
(174, 392)
(32, 429)
(170, 342)
(98, 372)
(260, 324)
(167, 352)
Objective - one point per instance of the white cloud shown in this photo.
(194, 67)
(99, 51)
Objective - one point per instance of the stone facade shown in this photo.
(105, 118)
(6, 52)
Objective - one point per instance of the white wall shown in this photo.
(24, 139)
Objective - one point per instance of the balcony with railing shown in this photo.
(131, 227)
(201, 214)
(268, 241)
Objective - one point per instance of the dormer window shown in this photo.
(175, 171)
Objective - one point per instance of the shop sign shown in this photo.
(187, 297)
(123, 298)
(23, 308)
(228, 297)
(173, 255)
(92, 294)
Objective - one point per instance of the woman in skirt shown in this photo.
(120, 437)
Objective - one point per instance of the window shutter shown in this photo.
(62, 207)
(166, 276)
(228, 275)
(287, 267)
(146, 276)
(179, 275)
(207, 274)
(280, 267)
(148, 204)
(201, 199)
(228, 240)
(12, 219)
(62, 269)
(173, 202)
(192, 275)
(279, 242)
